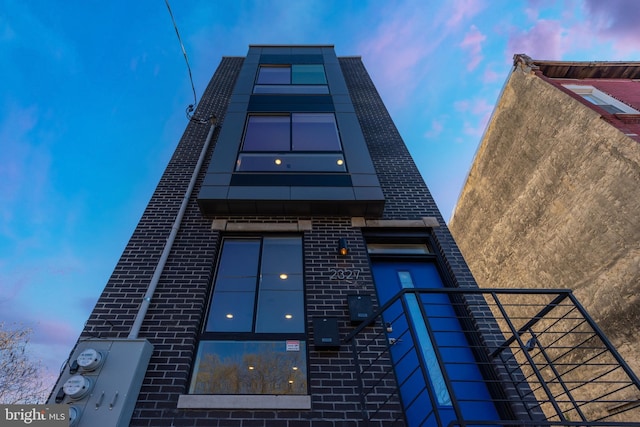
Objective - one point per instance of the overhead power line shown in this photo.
(191, 107)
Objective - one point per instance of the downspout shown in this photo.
(146, 300)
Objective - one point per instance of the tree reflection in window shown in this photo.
(261, 367)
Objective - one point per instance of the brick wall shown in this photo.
(177, 309)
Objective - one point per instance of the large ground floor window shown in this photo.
(250, 367)
(253, 340)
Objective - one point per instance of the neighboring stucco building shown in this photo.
(552, 199)
(292, 269)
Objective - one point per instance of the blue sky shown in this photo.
(93, 95)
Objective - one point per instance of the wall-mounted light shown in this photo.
(343, 249)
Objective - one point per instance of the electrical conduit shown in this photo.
(146, 300)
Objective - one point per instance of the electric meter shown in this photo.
(74, 416)
(77, 387)
(90, 359)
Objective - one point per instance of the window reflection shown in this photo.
(232, 304)
(274, 75)
(278, 298)
(267, 133)
(270, 267)
(299, 142)
(296, 74)
(302, 74)
(314, 132)
(255, 367)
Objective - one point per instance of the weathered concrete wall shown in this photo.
(553, 201)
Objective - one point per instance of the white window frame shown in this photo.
(607, 99)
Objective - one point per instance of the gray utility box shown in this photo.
(102, 380)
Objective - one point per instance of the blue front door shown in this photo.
(426, 332)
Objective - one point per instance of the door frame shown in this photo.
(425, 237)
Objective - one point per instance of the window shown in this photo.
(601, 99)
(404, 248)
(297, 78)
(425, 341)
(253, 340)
(297, 142)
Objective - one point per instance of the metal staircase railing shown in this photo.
(544, 360)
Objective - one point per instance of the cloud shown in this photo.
(542, 41)
(50, 344)
(478, 107)
(12, 285)
(491, 76)
(24, 166)
(602, 30)
(616, 21)
(54, 332)
(399, 50)
(437, 126)
(463, 10)
(472, 42)
(33, 298)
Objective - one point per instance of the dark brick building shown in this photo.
(292, 269)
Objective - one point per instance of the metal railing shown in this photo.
(543, 359)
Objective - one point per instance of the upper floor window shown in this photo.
(296, 142)
(296, 78)
(601, 99)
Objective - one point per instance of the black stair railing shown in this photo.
(538, 350)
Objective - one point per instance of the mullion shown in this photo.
(257, 294)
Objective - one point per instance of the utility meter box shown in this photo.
(360, 308)
(102, 380)
(325, 333)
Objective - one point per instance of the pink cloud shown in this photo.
(436, 129)
(473, 43)
(14, 284)
(490, 76)
(479, 108)
(609, 29)
(49, 342)
(531, 13)
(462, 106)
(53, 332)
(399, 48)
(617, 21)
(543, 41)
(398, 52)
(463, 10)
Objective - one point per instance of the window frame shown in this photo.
(254, 336)
(607, 100)
(291, 153)
(264, 88)
(291, 68)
